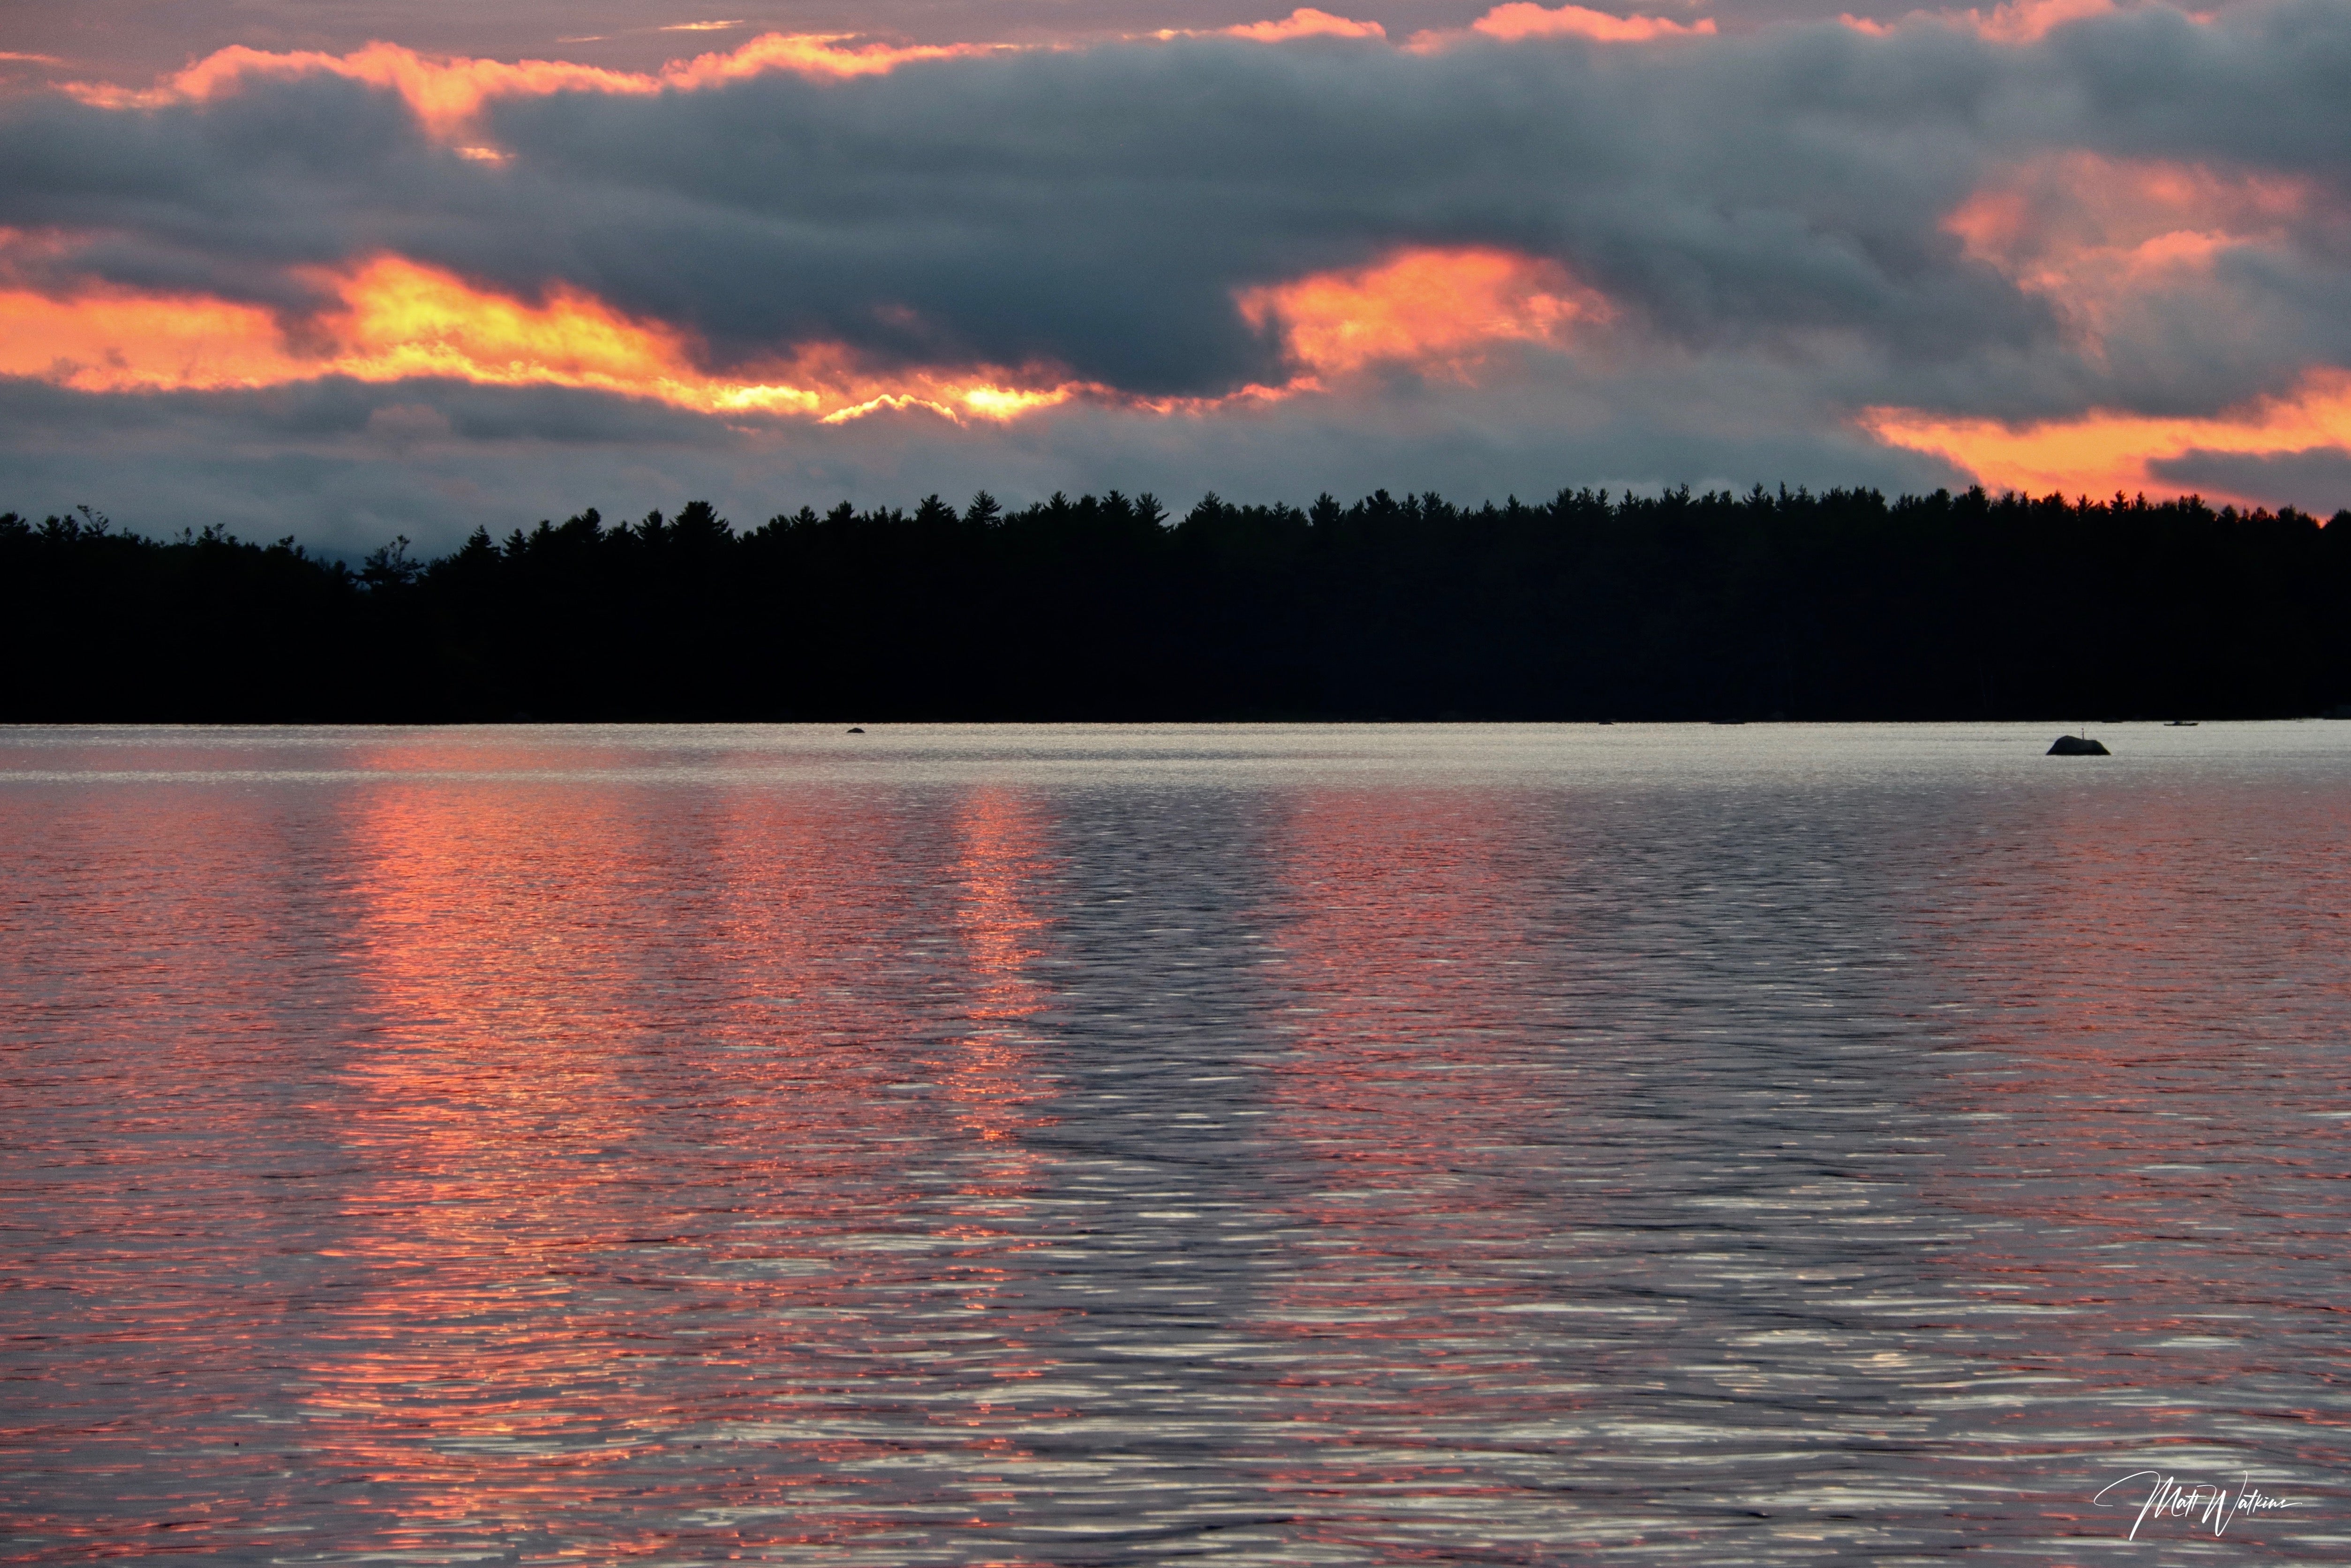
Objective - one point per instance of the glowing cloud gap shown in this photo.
(1428, 311)
(1436, 311)
(446, 94)
(2103, 452)
(399, 321)
(121, 342)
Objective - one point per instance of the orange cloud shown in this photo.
(2090, 234)
(1435, 310)
(443, 94)
(1521, 19)
(2030, 21)
(811, 55)
(112, 342)
(2087, 211)
(1307, 22)
(2102, 450)
(2016, 22)
(446, 94)
(2098, 238)
(1303, 22)
(397, 320)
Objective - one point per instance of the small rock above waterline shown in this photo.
(2077, 746)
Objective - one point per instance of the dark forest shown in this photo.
(1835, 605)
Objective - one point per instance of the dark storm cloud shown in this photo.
(225, 198)
(2263, 87)
(1102, 209)
(1099, 208)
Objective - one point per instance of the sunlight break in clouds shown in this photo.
(1435, 311)
(2102, 452)
(2099, 237)
(398, 320)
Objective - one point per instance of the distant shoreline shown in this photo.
(1719, 608)
(845, 726)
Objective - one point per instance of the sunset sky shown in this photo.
(351, 270)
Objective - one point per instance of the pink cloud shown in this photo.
(1307, 22)
(2030, 21)
(1523, 19)
(447, 93)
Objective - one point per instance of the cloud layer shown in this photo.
(2078, 247)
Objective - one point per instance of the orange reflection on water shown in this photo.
(1393, 1084)
(993, 1075)
(1001, 852)
(2117, 1128)
(594, 1120)
(491, 1118)
(1404, 1119)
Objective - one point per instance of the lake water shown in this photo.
(1249, 1143)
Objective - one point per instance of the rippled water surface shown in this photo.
(1098, 1146)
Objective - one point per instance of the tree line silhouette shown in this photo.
(1841, 605)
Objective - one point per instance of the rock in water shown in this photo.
(2077, 746)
